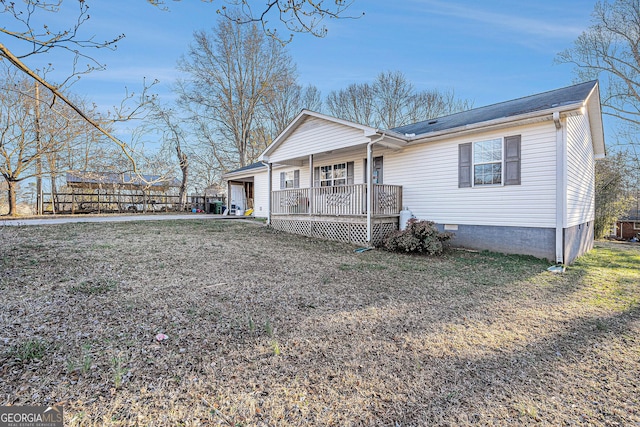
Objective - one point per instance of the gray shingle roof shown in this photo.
(529, 104)
(248, 167)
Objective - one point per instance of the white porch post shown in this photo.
(369, 192)
(270, 189)
(311, 194)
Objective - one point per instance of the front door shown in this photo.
(377, 170)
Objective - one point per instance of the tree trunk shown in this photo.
(54, 195)
(184, 167)
(13, 206)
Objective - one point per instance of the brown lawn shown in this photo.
(270, 329)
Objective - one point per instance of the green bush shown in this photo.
(419, 237)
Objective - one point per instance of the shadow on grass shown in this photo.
(568, 376)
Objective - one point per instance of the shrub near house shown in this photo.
(419, 237)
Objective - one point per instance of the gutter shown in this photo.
(491, 123)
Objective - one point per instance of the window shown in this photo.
(290, 179)
(487, 162)
(490, 162)
(333, 175)
(636, 225)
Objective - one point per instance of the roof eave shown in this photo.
(495, 123)
(594, 111)
(241, 173)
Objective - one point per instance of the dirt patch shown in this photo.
(266, 328)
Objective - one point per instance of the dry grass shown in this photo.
(269, 329)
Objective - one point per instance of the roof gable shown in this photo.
(308, 122)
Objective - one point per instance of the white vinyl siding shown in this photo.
(333, 159)
(580, 172)
(261, 194)
(429, 176)
(317, 136)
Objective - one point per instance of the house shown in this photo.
(513, 177)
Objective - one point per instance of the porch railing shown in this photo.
(337, 201)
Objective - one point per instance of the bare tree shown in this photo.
(295, 16)
(4, 200)
(393, 94)
(174, 138)
(44, 26)
(232, 72)
(40, 138)
(284, 103)
(392, 101)
(20, 144)
(22, 28)
(74, 143)
(29, 15)
(614, 192)
(609, 49)
(356, 103)
(429, 104)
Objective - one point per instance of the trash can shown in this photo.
(217, 207)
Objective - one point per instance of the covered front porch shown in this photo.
(325, 179)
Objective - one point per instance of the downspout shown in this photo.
(370, 187)
(560, 187)
(269, 189)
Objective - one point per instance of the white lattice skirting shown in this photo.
(343, 231)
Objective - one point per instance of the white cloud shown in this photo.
(545, 26)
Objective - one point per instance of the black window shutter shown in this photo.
(464, 165)
(282, 183)
(350, 166)
(296, 178)
(512, 160)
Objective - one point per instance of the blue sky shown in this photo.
(488, 51)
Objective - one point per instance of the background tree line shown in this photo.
(239, 90)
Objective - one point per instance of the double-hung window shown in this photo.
(487, 162)
(490, 162)
(290, 179)
(334, 175)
